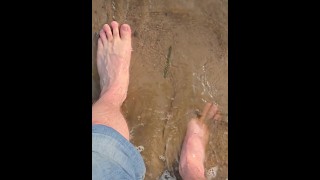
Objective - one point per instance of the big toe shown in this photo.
(125, 31)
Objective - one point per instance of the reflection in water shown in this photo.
(179, 62)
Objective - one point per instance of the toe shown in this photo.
(125, 31)
(108, 32)
(115, 29)
(103, 36)
(205, 112)
(100, 45)
(217, 117)
(212, 111)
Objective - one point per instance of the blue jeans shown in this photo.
(114, 157)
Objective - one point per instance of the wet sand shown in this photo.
(179, 62)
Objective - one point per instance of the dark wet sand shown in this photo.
(165, 92)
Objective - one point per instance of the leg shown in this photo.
(191, 166)
(113, 61)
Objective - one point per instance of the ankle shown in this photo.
(113, 97)
(107, 102)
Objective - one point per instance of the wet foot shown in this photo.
(113, 61)
(192, 156)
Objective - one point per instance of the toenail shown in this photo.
(125, 28)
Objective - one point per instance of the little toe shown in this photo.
(103, 36)
(108, 32)
(100, 44)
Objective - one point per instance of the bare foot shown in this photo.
(113, 61)
(192, 156)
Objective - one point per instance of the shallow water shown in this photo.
(164, 92)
